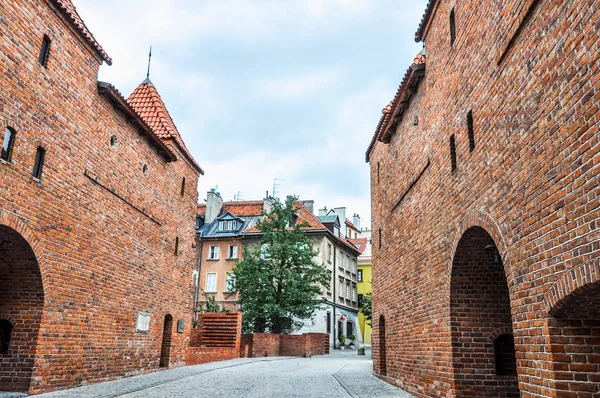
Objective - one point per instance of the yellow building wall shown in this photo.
(364, 287)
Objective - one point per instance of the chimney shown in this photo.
(323, 212)
(214, 203)
(356, 221)
(268, 203)
(341, 213)
(310, 205)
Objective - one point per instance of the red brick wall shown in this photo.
(531, 183)
(268, 345)
(216, 338)
(265, 345)
(100, 256)
(200, 355)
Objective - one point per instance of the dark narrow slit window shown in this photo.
(504, 351)
(113, 140)
(377, 172)
(5, 331)
(45, 51)
(379, 238)
(177, 246)
(452, 28)
(8, 144)
(183, 186)
(453, 152)
(39, 162)
(471, 131)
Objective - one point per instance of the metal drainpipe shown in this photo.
(198, 282)
(334, 296)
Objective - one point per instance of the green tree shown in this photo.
(366, 307)
(211, 304)
(278, 280)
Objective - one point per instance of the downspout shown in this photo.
(334, 296)
(195, 321)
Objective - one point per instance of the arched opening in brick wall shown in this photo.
(574, 326)
(483, 352)
(165, 350)
(21, 308)
(381, 345)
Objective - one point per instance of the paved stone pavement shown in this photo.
(340, 374)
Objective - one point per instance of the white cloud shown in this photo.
(298, 87)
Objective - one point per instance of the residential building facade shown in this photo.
(97, 198)
(484, 181)
(364, 278)
(224, 225)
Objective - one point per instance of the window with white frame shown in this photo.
(329, 253)
(230, 283)
(211, 282)
(213, 253)
(233, 252)
(229, 225)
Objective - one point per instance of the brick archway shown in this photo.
(483, 354)
(21, 303)
(573, 306)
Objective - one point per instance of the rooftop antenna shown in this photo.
(237, 196)
(149, 59)
(276, 185)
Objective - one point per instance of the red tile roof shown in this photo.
(429, 11)
(69, 11)
(120, 102)
(244, 208)
(146, 100)
(351, 225)
(201, 210)
(391, 110)
(304, 216)
(360, 243)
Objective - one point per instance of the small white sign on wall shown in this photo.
(143, 322)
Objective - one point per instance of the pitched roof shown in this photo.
(351, 225)
(360, 243)
(393, 109)
(146, 100)
(429, 10)
(244, 208)
(201, 210)
(304, 216)
(119, 102)
(69, 11)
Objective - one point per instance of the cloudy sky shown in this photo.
(264, 89)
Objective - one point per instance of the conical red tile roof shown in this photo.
(146, 101)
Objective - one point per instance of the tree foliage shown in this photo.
(211, 304)
(278, 281)
(366, 308)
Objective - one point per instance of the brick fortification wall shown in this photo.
(504, 249)
(272, 345)
(91, 243)
(216, 338)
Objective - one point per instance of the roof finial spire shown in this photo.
(149, 59)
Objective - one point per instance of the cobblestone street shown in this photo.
(341, 374)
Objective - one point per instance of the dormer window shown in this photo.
(229, 225)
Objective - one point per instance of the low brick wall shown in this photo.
(298, 345)
(199, 355)
(216, 338)
(265, 345)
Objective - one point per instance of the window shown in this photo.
(230, 283)
(44, 51)
(230, 225)
(329, 253)
(360, 300)
(328, 322)
(377, 172)
(213, 253)
(341, 289)
(39, 162)
(453, 152)
(113, 140)
(360, 275)
(353, 292)
(233, 252)
(471, 131)
(349, 329)
(452, 28)
(183, 186)
(211, 282)
(5, 331)
(504, 351)
(380, 238)
(145, 169)
(8, 144)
